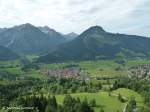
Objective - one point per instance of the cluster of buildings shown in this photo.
(141, 71)
(71, 72)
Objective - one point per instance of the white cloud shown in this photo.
(124, 16)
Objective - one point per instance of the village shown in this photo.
(141, 71)
(68, 72)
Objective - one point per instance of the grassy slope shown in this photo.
(109, 103)
(130, 93)
(10, 67)
(9, 63)
(15, 70)
(31, 58)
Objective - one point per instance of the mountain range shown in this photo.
(28, 39)
(52, 46)
(96, 43)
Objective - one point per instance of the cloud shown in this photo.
(123, 16)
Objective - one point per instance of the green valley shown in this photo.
(42, 70)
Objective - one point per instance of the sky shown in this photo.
(117, 16)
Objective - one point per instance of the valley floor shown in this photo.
(105, 81)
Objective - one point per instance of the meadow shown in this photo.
(109, 103)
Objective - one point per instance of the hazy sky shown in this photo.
(123, 16)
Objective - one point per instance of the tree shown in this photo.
(85, 107)
(48, 108)
(59, 108)
(52, 105)
(120, 98)
(131, 105)
(54, 102)
(93, 103)
(77, 107)
(68, 103)
(132, 102)
(101, 110)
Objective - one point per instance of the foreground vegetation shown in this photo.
(109, 88)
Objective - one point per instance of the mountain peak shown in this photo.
(72, 34)
(94, 30)
(47, 29)
(25, 26)
(97, 28)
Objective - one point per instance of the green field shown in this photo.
(15, 70)
(31, 58)
(95, 68)
(101, 68)
(127, 93)
(10, 63)
(131, 63)
(109, 103)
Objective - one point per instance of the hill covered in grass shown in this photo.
(109, 103)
